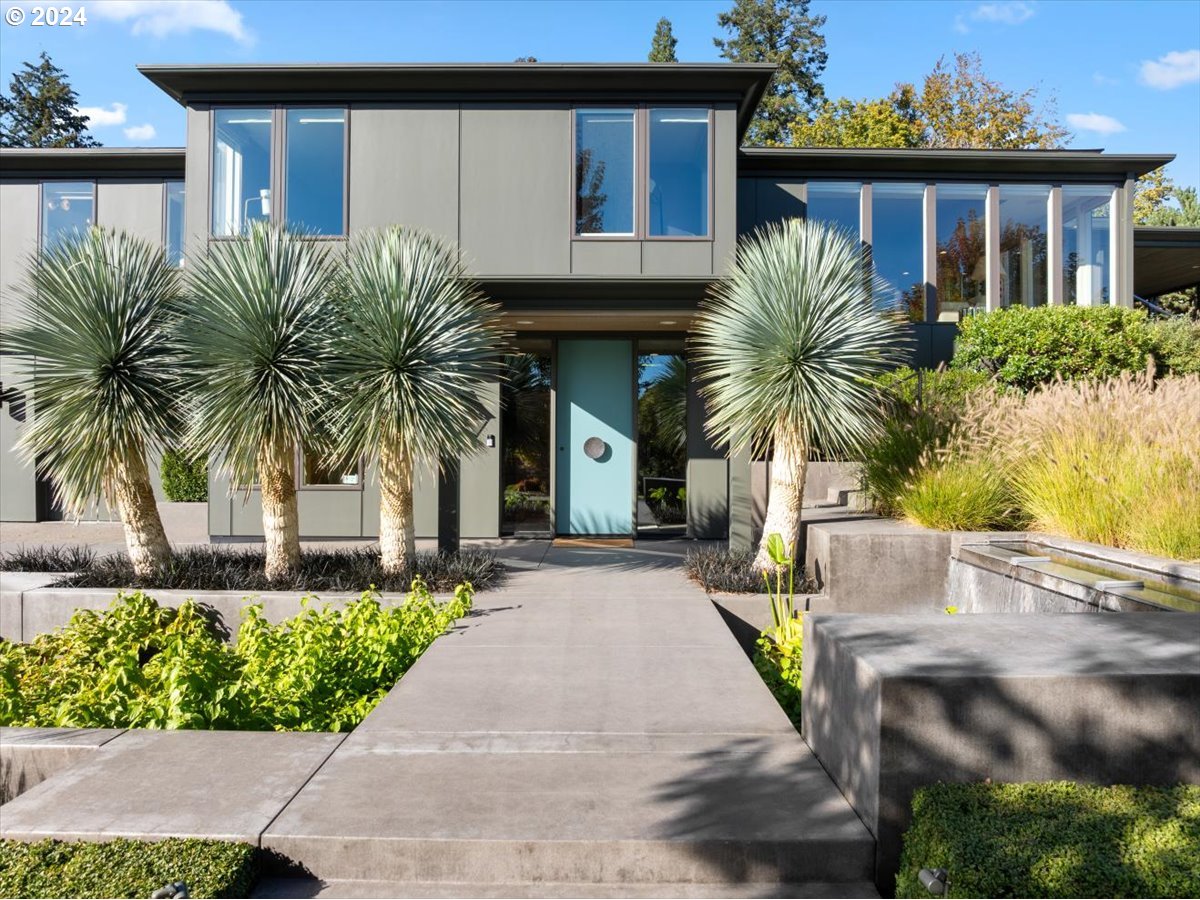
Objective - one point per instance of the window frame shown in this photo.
(302, 485)
(282, 111)
(641, 171)
(41, 217)
(166, 224)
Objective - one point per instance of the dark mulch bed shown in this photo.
(718, 570)
(235, 569)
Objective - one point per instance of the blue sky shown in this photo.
(1126, 75)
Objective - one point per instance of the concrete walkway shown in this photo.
(592, 729)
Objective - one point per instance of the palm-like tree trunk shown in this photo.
(788, 471)
(397, 536)
(134, 496)
(281, 518)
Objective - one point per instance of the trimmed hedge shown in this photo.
(125, 868)
(1054, 839)
(184, 479)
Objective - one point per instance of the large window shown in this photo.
(316, 167)
(1086, 223)
(836, 202)
(68, 210)
(317, 471)
(605, 152)
(1023, 232)
(896, 245)
(678, 188)
(174, 223)
(961, 214)
(241, 189)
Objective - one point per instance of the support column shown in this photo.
(1054, 248)
(1120, 243)
(708, 502)
(741, 502)
(992, 231)
(479, 476)
(864, 215)
(929, 253)
(1085, 269)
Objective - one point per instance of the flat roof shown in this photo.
(743, 83)
(860, 162)
(1165, 259)
(86, 162)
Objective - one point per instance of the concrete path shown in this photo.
(593, 725)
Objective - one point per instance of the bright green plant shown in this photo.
(785, 348)
(778, 662)
(1176, 346)
(93, 353)
(184, 478)
(125, 868)
(142, 665)
(255, 340)
(783, 606)
(416, 345)
(960, 495)
(1054, 839)
(1024, 347)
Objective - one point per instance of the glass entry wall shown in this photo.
(662, 438)
(1023, 233)
(961, 215)
(525, 437)
(1086, 225)
(896, 244)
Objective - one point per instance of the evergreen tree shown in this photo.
(780, 32)
(41, 111)
(662, 45)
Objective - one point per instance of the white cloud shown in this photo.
(161, 18)
(997, 12)
(1101, 124)
(99, 117)
(960, 25)
(1102, 80)
(1177, 68)
(140, 132)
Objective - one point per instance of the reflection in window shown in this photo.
(174, 229)
(525, 432)
(316, 170)
(835, 202)
(1023, 244)
(68, 210)
(662, 437)
(318, 470)
(604, 163)
(961, 250)
(241, 191)
(1086, 218)
(896, 244)
(678, 172)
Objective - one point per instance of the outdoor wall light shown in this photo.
(490, 441)
(933, 880)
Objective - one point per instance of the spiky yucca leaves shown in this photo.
(785, 346)
(256, 338)
(100, 370)
(416, 344)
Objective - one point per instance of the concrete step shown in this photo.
(312, 887)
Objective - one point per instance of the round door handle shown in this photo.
(594, 447)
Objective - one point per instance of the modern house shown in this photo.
(596, 204)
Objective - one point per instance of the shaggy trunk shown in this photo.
(144, 534)
(786, 496)
(281, 518)
(397, 538)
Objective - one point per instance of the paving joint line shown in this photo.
(311, 775)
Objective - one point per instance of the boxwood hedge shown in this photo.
(125, 868)
(1054, 839)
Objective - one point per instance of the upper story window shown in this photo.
(173, 223)
(897, 243)
(678, 187)
(315, 170)
(961, 220)
(837, 202)
(642, 172)
(1023, 233)
(605, 157)
(68, 210)
(241, 170)
(1085, 223)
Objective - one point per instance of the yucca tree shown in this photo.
(98, 365)
(255, 339)
(785, 346)
(416, 343)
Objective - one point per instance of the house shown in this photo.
(596, 204)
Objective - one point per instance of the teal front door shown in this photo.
(594, 437)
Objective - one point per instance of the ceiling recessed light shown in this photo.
(667, 322)
(524, 321)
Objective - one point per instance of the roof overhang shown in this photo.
(741, 83)
(1062, 165)
(91, 162)
(1165, 259)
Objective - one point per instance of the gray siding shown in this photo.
(479, 478)
(196, 209)
(18, 241)
(132, 206)
(724, 224)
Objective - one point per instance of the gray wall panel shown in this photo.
(677, 257)
(132, 206)
(18, 241)
(196, 163)
(404, 168)
(330, 513)
(606, 257)
(479, 478)
(18, 489)
(516, 190)
(724, 225)
(425, 501)
(747, 211)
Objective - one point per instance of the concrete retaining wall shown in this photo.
(28, 756)
(895, 702)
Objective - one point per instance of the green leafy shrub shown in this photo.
(1176, 344)
(184, 479)
(125, 868)
(141, 665)
(208, 568)
(960, 495)
(1025, 347)
(778, 663)
(1054, 839)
